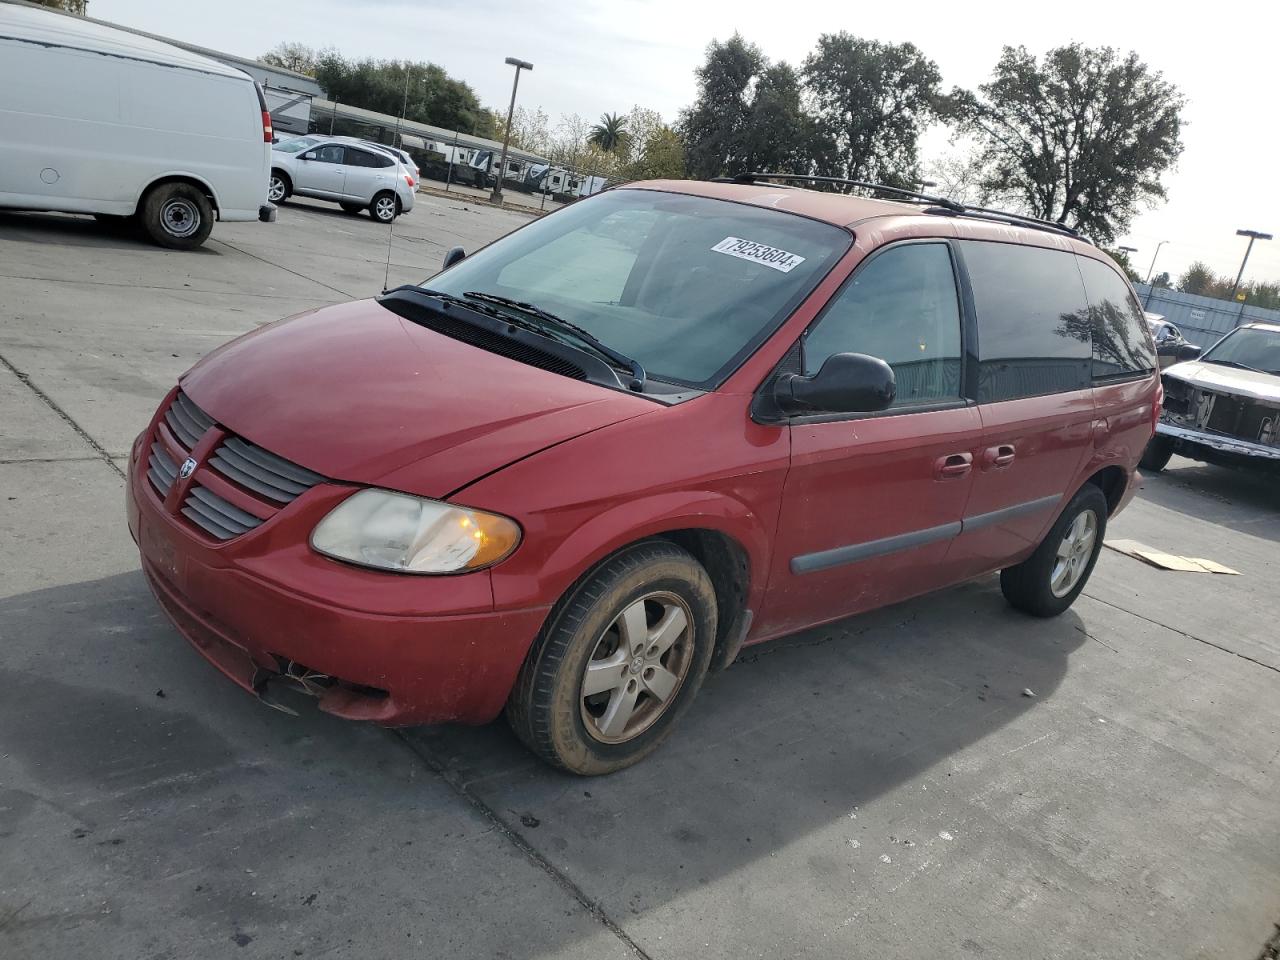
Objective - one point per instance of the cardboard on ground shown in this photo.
(1167, 561)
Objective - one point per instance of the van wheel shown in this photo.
(619, 660)
(279, 187)
(352, 208)
(1049, 581)
(385, 207)
(1156, 457)
(177, 215)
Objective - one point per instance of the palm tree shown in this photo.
(610, 133)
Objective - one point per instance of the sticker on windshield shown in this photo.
(766, 256)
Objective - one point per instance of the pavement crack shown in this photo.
(278, 266)
(1189, 636)
(501, 826)
(52, 404)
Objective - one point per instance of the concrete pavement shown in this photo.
(881, 787)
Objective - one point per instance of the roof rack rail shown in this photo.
(942, 205)
(862, 184)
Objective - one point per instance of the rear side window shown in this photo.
(367, 158)
(900, 306)
(1121, 343)
(1033, 320)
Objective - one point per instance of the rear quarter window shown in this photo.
(1121, 338)
(1033, 320)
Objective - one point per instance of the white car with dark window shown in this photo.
(1225, 406)
(355, 176)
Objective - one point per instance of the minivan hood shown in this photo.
(360, 394)
(1223, 379)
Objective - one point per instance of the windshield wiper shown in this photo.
(565, 326)
(1235, 363)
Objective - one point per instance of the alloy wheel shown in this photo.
(275, 192)
(637, 667)
(384, 208)
(1073, 553)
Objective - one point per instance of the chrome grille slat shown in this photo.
(256, 479)
(229, 510)
(163, 471)
(202, 420)
(207, 522)
(182, 428)
(212, 513)
(269, 461)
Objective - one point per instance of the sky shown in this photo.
(593, 56)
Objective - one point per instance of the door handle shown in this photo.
(999, 456)
(952, 466)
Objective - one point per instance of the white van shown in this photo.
(103, 121)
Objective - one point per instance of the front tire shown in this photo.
(1156, 456)
(619, 660)
(385, 207)
(1048, 581)
(177, 215)
(279, 187)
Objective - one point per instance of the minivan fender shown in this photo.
(552, 574)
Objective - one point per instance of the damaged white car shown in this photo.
(1224, 407)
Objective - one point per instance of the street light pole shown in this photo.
(496, 196)
(1152, 269)
(1252, 235)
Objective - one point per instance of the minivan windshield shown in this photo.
(1249, 348)
(688, 286)
(297, 145)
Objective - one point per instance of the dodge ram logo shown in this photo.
(188, 468)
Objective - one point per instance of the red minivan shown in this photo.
(580, 468)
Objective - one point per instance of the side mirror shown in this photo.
(1188, 351)
(308, 156)
(847, 383)
(455, 255)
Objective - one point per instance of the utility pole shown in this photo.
(1150, 270)
(496, 196)
(1252, 235)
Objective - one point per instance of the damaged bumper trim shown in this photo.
(1217, 442)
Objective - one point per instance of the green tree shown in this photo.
(779, 136)
(1122, 258)
(715, 127)
(662, 157)
(66, 6)
(297, 57)
(1162, 279)
(1080, 137)
(432, 95)
(610, 134)
(871, 102)
(1198, 280)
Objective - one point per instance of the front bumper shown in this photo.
(390, 659)
(1186, 438)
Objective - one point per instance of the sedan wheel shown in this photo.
(277, 190)
(384, 208)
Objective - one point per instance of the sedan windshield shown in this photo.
(688, 286)
(1250, 348)
(297, 145)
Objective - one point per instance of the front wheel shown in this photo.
(617, 662)
(279, 187)
(1048, 581)
(1156, 456)
(385, 207)
(177, 215)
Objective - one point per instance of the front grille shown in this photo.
(161, 470)
(275, 478)
(187, 421)
(215, 515)
(260, 482)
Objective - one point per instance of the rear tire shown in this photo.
(1048, 582)
(177, 215)
(385, 207)
(618, 661)
(1156, 456)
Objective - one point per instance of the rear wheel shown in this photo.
(385, 207)
(1156, 457)
(618, 661)
(177, 215)
(279, 187)
(1048, 581)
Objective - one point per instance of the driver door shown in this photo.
(872, 502)
(322, 172)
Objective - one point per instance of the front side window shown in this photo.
(900, 306)
(1033, 317)
(1121, 339)
(332, 153)
(687, 285)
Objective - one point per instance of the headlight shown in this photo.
(394, 531)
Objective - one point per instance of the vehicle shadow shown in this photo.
(1232, 497)
(109, 713)
(790, 740)
(76, 230)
